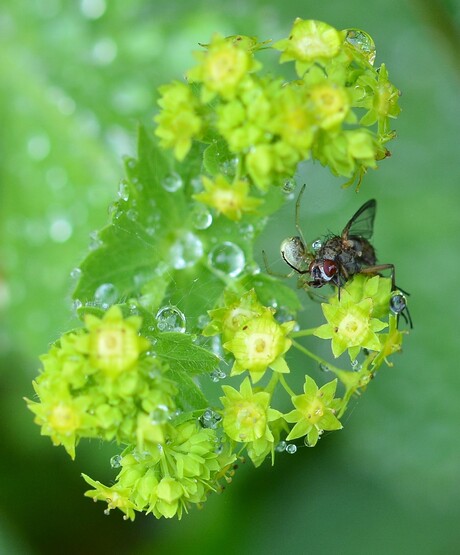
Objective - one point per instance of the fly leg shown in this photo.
(275, 274)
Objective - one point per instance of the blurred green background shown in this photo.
(76, 77)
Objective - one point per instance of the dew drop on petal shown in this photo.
(362, 42)
(210, 419)
(227, 258)
(106, 294)
(160, 414)
(172, 182)
(115, 461)
(186, 251)
(170, 318)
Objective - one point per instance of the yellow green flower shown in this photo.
(308, 42)
(116, 497)
(350, 326)
(238, 310)
(229, 199)
(222, 67)
(260, 344)
(330, 104)
(178, 123)
(314, 411)
(113, 343)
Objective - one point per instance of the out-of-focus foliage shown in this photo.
(75, 77)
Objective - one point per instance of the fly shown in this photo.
(339, 257)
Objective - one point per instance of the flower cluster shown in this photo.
(169, 477)
(270, 125)
(99, 382)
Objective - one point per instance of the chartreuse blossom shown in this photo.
(246, 419)
(222, 67)
(309, 42)
(168, 479)
(235, 313)
(350, 325)
(229, 199)
(260, 344)
(96, 382)
(179, 122)
(113, 343)
(314, 411)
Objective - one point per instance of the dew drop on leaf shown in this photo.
(172, 182)
(227, 258)
(76, 273)
(170, 318)
(106, 294)
(123, 190)
(201, 217)
(210, 419)
(186, 251)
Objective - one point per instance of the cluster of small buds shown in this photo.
(269, 124)
(99, 382)
(169, 477)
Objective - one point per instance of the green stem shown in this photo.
(272, 383)
(283, 382)
(303, 333)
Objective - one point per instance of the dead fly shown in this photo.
(339, 257)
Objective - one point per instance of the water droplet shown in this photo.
(186, 251)
(252, 268)
(227, 258)
(115, 461)
(247, 229)
(132, 214)
(94, 240)
(362, 42)
(160, 415)
(316, 245)
(172, 182)
(228, 167)
(324, 367)
(201, 217)
(217, 375)
(281, 447)
(355, 365)
(289, 186)
(76, 304)
(291, 448)
(284, 314)
(76, 273)
(210, 419)
(106, 294)
(123, 190)
(170, 318)
(398, 303)
(106, 511)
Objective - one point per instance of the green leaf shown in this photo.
(182, 354)
(189, 396)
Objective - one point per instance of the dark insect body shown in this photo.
(340, 257)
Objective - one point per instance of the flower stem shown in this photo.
(286, 387)
(303, 333)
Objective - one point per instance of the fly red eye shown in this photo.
(329, 267)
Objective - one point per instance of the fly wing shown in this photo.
(362, 223)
